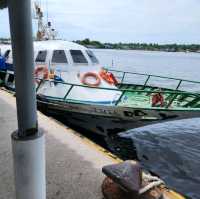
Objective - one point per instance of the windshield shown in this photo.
(59, 56)
(78, 56)
(92, 57)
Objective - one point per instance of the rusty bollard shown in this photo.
(123, 180)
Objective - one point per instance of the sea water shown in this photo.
(172, 149)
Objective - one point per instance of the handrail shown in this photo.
(175, 93)
(149, 76)
(143, 74)
(128, 90)
(179, 84)
(68, 92)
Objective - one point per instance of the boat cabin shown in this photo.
(63, 55)
(57, 54)
(71, 63)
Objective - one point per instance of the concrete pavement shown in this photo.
(73, 163)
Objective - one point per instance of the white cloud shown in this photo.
(162, 21)
(4, 23)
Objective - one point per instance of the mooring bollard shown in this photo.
(123, 182)
(126, 180)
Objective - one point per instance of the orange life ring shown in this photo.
(108, 77)
(41, 70)
(90, 74)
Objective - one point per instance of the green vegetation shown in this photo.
(88, 43)
(133, 46)
(141, 46)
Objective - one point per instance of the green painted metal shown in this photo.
(119, 100)
(192, 103)
(172, 100)
(68, 92)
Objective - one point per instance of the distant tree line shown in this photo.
(88, 42)
(134, 46)
(142, 46)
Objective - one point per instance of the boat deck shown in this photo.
(144, 99)
(135, 100)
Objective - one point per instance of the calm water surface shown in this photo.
(171, 150)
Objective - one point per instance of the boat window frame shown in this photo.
(92, 57)
(6, 54)
(44, 58)
(61, 61)
(83, 59)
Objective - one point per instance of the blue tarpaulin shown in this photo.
(2, 63)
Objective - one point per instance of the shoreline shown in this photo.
(144, 50)
(128, 49)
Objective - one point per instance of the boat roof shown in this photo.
(51, 45)
(57, 45)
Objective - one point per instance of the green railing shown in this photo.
(148, 77)
(173, 94)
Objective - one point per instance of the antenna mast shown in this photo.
(44, 32)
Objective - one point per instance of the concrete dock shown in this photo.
(73, 163)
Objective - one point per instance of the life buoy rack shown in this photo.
(41, 70)
(108, 77)
(85, 81)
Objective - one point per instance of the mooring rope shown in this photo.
(153, 182)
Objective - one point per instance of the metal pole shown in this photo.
(22, 45)
(27, 141)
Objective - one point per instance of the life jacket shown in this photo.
(108, 77)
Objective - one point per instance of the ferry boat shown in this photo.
(71, 82)
(100, 100)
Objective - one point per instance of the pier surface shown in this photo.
(73, 163)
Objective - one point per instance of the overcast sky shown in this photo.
(151, 21)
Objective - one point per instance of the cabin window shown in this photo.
(41, 56)
(92, 57)
(59, 56)
(78, 57)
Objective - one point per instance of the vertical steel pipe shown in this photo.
(27, 142)
(22, 45)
